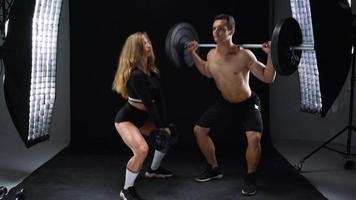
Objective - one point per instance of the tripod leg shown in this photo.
(349, 164)
(300, 164)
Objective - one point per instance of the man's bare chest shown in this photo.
(220, 68)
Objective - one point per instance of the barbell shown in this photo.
(286, 45)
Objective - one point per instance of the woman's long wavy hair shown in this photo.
(132, 55)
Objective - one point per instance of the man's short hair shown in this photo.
(230, 20)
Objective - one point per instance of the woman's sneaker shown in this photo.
(129, 194)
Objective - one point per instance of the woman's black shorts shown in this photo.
(131, 114)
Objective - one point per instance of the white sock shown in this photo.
(157, 159)
(130, 178)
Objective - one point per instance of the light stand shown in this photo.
(349, 128)
(5, 6)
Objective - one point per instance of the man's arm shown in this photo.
(201, 64)
(265, 73)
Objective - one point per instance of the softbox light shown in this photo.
(29, 54)
(322, 73)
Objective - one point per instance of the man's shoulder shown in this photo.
(211, 51)
(247, 54)
(246, 51)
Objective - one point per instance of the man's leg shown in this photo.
(206, 145)
(207, 148)
(253, 152)
(253, 155)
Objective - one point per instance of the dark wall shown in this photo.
(97, 35)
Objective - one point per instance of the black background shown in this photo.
(98, 31)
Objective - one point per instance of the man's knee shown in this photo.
(200, 131)
(253, 138)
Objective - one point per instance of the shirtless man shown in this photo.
(230, 66)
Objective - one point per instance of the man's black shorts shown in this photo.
(247, 112)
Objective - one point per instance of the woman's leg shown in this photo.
(132, 137)
(155, 170)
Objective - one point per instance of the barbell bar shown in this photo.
(303, 47)
(286, 45)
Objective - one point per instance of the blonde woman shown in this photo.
(137, 80)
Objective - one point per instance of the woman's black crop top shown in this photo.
(146, 89)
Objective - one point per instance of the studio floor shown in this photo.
(98, 173)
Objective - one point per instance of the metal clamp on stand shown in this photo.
(3, 192)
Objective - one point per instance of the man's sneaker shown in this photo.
(129, 194)
(158, 173)
(209, 174)
(249, 186)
